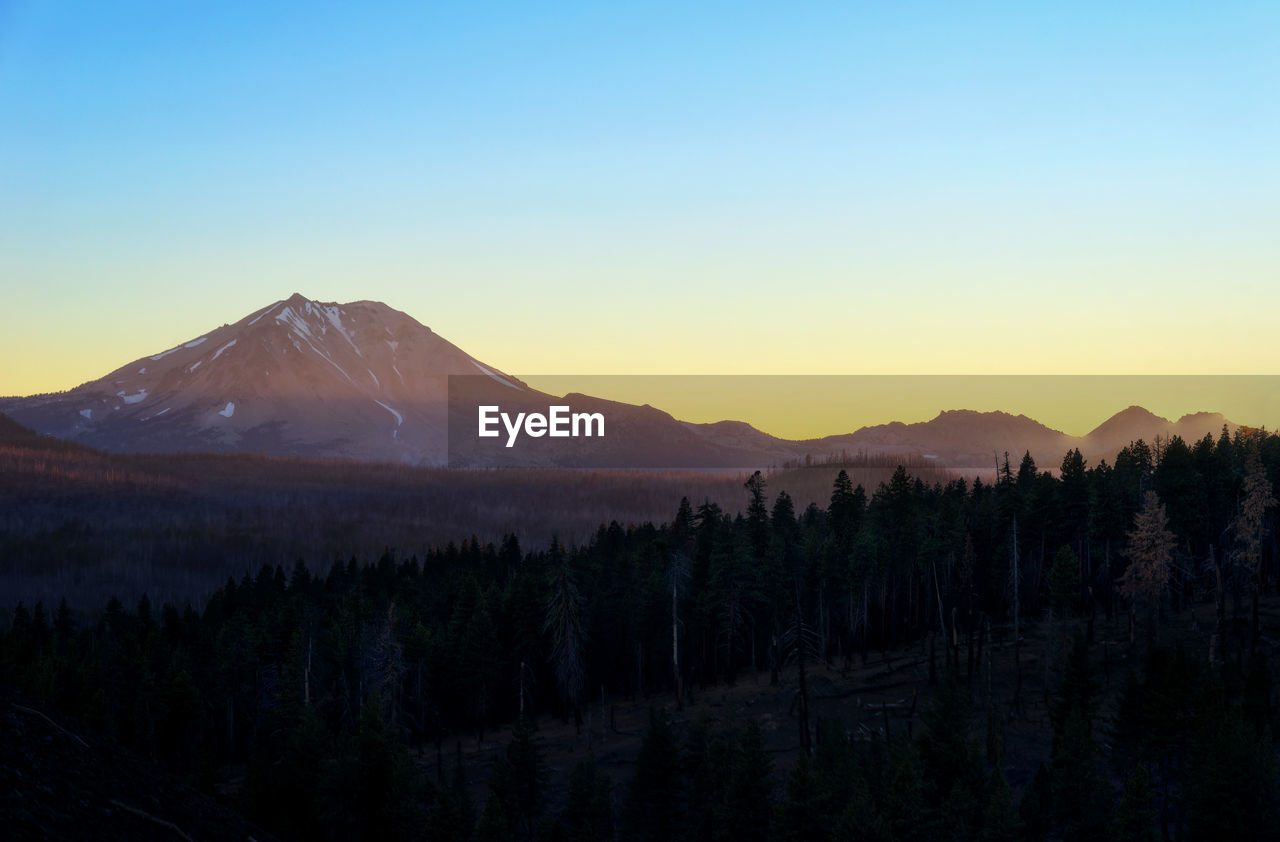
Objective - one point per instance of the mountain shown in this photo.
(1196, 425)
(296, 378)
(980, 439)
(364, 381)
(954, 437)
(1125, 426)
(1137, 423)
(638, 436)
(357, 381)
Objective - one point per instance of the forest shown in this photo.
(88, 525)
(1088, 653)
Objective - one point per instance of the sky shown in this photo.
(623, 188)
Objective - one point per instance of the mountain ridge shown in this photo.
(366, 381)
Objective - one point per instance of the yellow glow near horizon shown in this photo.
(813, 406)
(88, 338)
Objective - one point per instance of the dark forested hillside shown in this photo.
(87, 525)
(1082, 654)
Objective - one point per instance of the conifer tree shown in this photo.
(904, 802)
(1249, 523)
(654, 806)
(1231, 786)
(802, 816)
(1135, 816)
(747, 799)
(999, 821)
(1150, 554)
(588, 813)
(564, 622)
(1064, 581)
(1036, 808)
(516, 787)
(861, 820)
(949, 763)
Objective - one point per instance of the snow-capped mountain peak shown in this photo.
(297, 377)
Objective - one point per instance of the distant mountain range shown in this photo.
(364, 381)
(967, 438)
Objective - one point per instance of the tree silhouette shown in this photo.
(1135, 816)
(1150, 554)
(564, 623)
(1064, 580)
(1249, 523)
(654, 806)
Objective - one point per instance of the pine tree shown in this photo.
(371, 793)
(1078, 688)
(494, 825)
(845, 511)
(1064, 581)
(757, 515)
(1135, 817)
(861, 819)
(904, 803)
(1150, 554)
(949, 763)
(588, 814)
(517, 786)
(1231, 786)
(1079, 799)
(706, 765)
(1248, 525)
(1036, 809)
(999, 821)
(1075, 494)
(447, 818)
(803, 815)
(748, 798)
(677, 575)
(654, 806)
(564, 622)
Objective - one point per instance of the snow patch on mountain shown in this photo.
(218, 352)
(395, 434)
(504, 381)
(333, 314)
(399, 417)
(193, 343)
(288, 317)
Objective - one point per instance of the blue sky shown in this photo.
(646, 187)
